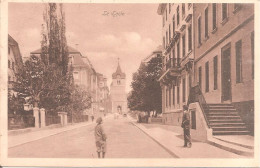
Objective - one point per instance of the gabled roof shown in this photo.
(118, 72)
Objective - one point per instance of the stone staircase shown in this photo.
(225, 120)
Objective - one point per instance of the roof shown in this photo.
(70, 50)
(15, 48)
(161, 8)
(149, 57)
(78, 61)
(118, 72)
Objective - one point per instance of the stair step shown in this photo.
(229, 129)
(222, 114)
(223, 117)
(230, 132)
(225, 121)
(222, 110)
(221, 107)
(226, 124)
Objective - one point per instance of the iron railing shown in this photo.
(173, 63)
(196, 95)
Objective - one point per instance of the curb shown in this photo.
(232, 150)
(164, 147)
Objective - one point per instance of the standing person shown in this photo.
(100, 137)
(92, 118)
(186, 126)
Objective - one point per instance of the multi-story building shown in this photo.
(212, 48)
(15, 62)
(224, 57)
(84, 74)
(178, 56)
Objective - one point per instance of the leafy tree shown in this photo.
(146, 91)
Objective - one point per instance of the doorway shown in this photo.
(226, 73)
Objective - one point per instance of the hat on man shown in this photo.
(99, 120)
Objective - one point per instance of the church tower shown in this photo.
(117, 90)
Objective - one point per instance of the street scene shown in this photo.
(168, 80)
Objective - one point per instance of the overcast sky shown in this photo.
(102, 38)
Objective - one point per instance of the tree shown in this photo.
(146, 91)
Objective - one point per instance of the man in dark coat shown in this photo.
(186, 126)
(100, 137)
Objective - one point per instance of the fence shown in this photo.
(52, 120)
(78, 118)
(20, 121)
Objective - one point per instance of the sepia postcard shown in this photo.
(129, 83)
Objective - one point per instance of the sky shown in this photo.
(103, 32)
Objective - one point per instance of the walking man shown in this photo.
(186, 126)
(100, 137)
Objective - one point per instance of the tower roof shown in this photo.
(118, 72)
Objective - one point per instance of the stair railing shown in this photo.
(196, 95)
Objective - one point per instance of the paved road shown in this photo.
(124, 141)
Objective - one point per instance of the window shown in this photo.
(9, 50)
(163, 21)
(178, 94)
(178, 15)
(206, 23)
(166, 97)
(214, 16)
(166, 13)
(170, 97)
(9, 64)
(183, 90)
(199, 30)
(190, 38)
(200, 77)
(13, 65)
(224, 11)
(183, 46)
(118, 82)
(239, 61)
(173, 94)
(253, 52)
(164, 42)
(173, 58)
(215, 62)
(237, 6)
(169, 33)
(183, 10)
(206, 76)
(189, 5)
(76, 75)
(173, 24)
(178, 53)
(169, 7)
(166, 38)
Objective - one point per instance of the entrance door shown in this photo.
(225, 73)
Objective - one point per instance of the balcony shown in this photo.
(169, 46)
(187, 61)
(171, 71)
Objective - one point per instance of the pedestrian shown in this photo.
(100, 137)
(186, 126)
(92, 118)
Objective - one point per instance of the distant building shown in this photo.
(15, 62)
(117, 91)
(157, 52)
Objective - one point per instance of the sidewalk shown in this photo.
(171, 139)
(36, 134)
